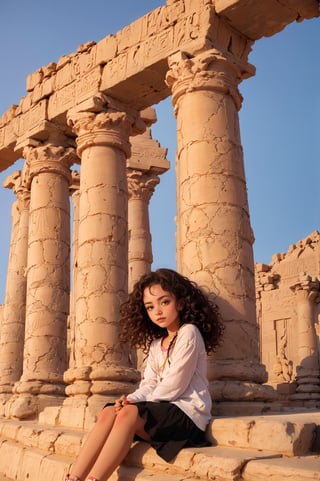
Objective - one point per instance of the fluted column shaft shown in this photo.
(214, 235)
(12, 328)
(101, 363)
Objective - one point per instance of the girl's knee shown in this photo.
(106, 414)
(127, 412)
(129, 415)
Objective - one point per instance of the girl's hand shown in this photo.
(122, 401)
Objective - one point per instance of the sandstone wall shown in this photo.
(288, 299)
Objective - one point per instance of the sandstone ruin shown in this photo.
(84, 132)
(287, 307)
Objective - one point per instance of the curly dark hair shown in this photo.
(198, 309)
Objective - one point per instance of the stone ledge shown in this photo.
(305, 468)
(125, 473)
(291, 434)
(21, 464)
(29, 435)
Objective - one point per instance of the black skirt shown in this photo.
(169, 428)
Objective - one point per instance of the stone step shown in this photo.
(291, 434)
(273, 469)
(216, 463)
(142, 464)
(305, 468)
(19, 463)
(126, 473)
(29, 451)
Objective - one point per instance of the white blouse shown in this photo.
(184, 376)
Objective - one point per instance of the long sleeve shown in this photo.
(150, 378)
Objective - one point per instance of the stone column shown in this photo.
(307, 293)
(75, 196)
(141, 187)
(48, 284)
(146, 163)
(214, 235)
(13, 324)
(102, 369)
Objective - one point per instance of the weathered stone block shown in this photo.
(296, 469)
(106, 49)
(285, 434)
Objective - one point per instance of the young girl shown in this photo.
(171, 319)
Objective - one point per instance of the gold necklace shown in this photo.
(166, 360)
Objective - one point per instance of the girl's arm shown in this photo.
(148, 382)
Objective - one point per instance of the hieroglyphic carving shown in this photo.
(115, 69)
(288, 270)
(283, 368)
(87, 85)
(158, 42)
(162, 18)
(32, 117)
(61, 100)
(84, 61)
(64, 74)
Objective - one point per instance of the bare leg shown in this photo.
(94, 443)
(116, 447)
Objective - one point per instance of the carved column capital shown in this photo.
(13, 181)
(104, 121)
(210, 70)
(49, 158)
(307, 288)
(17, 182)
(141, 185)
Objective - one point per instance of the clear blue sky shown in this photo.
(280, 116)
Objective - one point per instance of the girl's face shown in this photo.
(162, 307)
